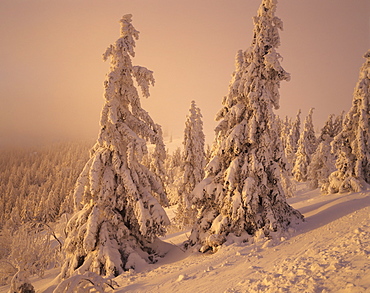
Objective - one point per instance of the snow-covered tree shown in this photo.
(291, 145)
(352, 144)
(208, 152)
(302, 161)
(321, 166)
(338, 124)
(21, 284)
(306, 147)
(241, 193)
(26, 252)
(35, 181)
(194, 163)
(323, 160)
(174, 171)
(331, 128)
(285, 172)
(156, 160)
(309, 133)
(285, 126)
(117, 217)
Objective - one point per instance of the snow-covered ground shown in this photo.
(329, 252)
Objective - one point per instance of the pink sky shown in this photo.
(52, 73)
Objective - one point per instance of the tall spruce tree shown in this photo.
(193, 164)
(117, 217)
(241, 192)
(352, 144)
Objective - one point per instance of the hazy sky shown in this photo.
(52, 73)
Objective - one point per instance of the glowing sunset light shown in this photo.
(52, 74)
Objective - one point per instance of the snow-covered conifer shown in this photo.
(279, 156)
(291, 145)
(327, 131)
(352, 144)
(331, 127)
(241, 193)
(323, 160)
(321, 166)
(208, 152)
(194, 163)
(338, 124)
(306, 147)
(284, 130)
(302, 161)
(117, 217)
(174, 172)
(156, 165)
(309, 134)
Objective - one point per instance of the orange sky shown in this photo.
(52, 73)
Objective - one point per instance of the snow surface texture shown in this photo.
(329, 252)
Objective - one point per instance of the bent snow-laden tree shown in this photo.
(193, 164)
(242, 191)
(352, 144)
(117, 216)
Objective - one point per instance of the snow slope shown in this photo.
(329, 252)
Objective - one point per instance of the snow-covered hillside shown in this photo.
(329, 252)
